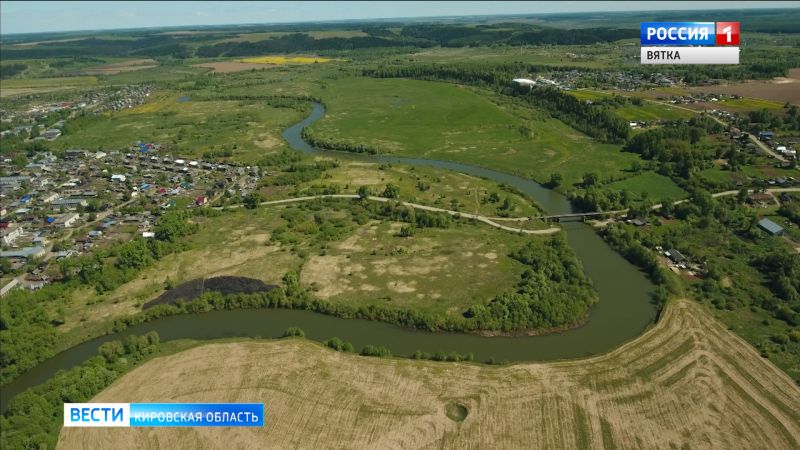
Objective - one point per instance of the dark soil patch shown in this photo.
(456, 412)
(190, 290)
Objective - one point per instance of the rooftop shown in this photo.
(770, 226)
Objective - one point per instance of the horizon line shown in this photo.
(241, 24)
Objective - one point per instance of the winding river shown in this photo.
(624, 310)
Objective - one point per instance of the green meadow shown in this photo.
(443, 121)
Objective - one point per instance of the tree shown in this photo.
(555, 180)
(407, 231)
(391, 191)
(111, 351)
(173, 225)
(19, 161)
(134, 254)
(252, 200)
(590, 179)
(363, 192)
(741, 197)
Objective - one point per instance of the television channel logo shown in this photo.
(689, 42)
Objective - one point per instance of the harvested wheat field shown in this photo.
(686, 383)
(281, 60)
(783, 89)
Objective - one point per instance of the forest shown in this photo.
(552, 292)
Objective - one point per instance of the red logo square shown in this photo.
(727, 33)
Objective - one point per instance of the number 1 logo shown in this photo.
(727, 33)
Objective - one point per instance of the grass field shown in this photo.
(443, 121)
(373, 265)
(281, 60)
(656, 187)
(244, 250)
(646, 112)
(686, 383)
(585, 94)
(749, 104)
(190, 128)
(25, 86)
(365, 264)
(651, 111)
(600, 55)
(427, 186)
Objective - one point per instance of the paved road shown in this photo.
(487, 220)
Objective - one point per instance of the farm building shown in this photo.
(676, 256)
(26, 253)
(770, 227)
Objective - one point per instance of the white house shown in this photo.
(118, 177)
(11, 233)
(66, 220)
(524, 82)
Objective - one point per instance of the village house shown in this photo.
(760, 199)
(69, 203)
(49, 197)
(11, 233)
(66, 220)
(23, 253)
(75, 154)
(770, 227)
(675, 256)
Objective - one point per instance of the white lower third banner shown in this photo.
(690, 55)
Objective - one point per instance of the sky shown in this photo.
(45, 16)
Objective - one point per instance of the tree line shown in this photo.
(35, 416)
(308, 136)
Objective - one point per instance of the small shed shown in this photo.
(676, 256)
(770, 227)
